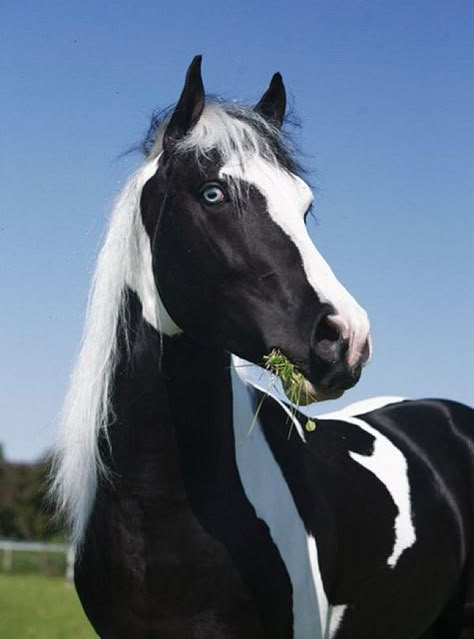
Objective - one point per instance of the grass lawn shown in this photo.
(33, 607)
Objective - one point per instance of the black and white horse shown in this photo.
(192, 518)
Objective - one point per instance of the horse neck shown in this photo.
(171, 406)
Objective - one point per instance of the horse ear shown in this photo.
(189, 107)
(272, 104)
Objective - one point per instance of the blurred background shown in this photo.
(384, 95)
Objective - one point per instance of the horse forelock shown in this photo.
(231, 130)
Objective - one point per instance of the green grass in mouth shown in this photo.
(294, 382)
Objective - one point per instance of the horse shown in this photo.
(202, 502)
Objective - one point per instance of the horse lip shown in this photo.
(312, 394)
(328, 395)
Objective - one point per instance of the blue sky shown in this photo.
(385, 95)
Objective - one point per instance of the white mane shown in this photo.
(125, 260)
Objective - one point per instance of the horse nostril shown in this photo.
(366, 352)
(327, 344)
(326, 330)
(330, 353)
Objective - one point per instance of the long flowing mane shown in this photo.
(125, 261)
(85, 413)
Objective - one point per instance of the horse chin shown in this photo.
(325, 395)
(311, 394)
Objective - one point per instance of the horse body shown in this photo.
(200, 505)
(209, 530)
(390, 513)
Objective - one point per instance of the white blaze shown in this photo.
(288, 198)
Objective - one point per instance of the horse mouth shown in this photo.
(297, 387)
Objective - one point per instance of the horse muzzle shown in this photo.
(336, 356)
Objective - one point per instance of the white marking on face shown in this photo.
(389, 465)
(267, 490)
(288, 198)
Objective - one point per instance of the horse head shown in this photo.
(233, 262)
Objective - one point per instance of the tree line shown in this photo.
(24, 509)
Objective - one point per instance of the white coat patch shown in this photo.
(387, 462)
(389, 465)
(337, 613)
(268, 492)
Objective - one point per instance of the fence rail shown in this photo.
(9, 546)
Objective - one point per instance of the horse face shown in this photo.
(234, 264)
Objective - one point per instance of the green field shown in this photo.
(33, 607)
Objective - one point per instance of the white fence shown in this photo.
(9, 546)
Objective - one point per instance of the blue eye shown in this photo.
(212, 194)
